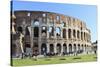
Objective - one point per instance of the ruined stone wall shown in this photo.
(52, 32)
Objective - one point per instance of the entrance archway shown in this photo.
(36, 32)
(58, 48)
(64, 48)
(43, 48)
(51, 48)
(85, 47)
(70, 47)
(82, 47)
(78, 47)
(64, 33)
(75, 48)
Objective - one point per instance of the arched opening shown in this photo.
(43, 48)
(58, 18)
(36, 32)
(85, 47)
(51, 48)
(70, 47)
(44, 31)
(64, 33)
(64, 48)
(74, 33)
(58, 48)
(69, 33)
(84, 35)
(58, 31)
(51, 31)
(82, 47)
(36, 22)
(78, 47)
(81, 35)
(78, 34)
(20, 29)
(75, 48)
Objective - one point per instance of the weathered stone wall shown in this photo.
(52, 32)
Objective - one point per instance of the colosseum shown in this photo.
(48, 32)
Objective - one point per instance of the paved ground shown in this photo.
(54, 60)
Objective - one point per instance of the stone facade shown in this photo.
(46, 32)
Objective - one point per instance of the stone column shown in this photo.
(61, 32)
(32, 35)
(55, 29)
(76, 47)
(67, 33)
(61, 47)
(72, 34)
(67, 48)
(39, 40)
(39, 47)
(48, 48)
(47, 33)
(55, 35)
(72, 47)
(79, 35)
(55, 48)
(76, 35)
(83, 35)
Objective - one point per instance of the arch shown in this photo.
(81, 35)
(85, 47)
(84, 35)
(78, 34)
(58, 31)
(36, 31)
(44, 30)
(64, 48)
(51, 31)
(70, 47)
(36, 22)
(75, 48)
(64, 33)
(44, 14)
(69, 33)
(51, 48)
(43, 48)
(74, 33)
(78, 47)
(58, 48)
(58, 17)
(20, 29)
(82, 47)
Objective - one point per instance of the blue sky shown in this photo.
(86, 13)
